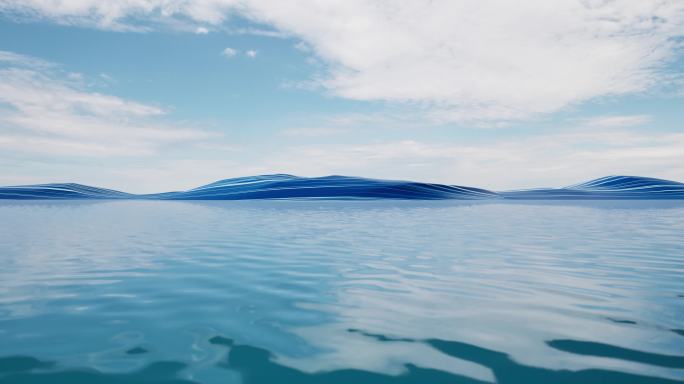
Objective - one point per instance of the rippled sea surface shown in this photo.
(341, 292)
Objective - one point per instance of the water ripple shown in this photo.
(323, 291)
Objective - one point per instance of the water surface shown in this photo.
(341, 292)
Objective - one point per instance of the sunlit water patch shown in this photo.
(341, 292)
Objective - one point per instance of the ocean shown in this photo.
(341, 291)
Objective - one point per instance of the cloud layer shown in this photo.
(552, 160)
(45, 111)
(457, 60)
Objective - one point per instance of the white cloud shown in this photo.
(617, 121)
(251, 53)
(313, 131)
(458, 60)
(47, 111)
(229, 52)
(259, 32)
(201, 31)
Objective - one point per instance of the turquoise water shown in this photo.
(341, 292)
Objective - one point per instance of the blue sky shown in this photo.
(151, 95)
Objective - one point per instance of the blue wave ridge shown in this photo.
(60, 191)
(606, 188)
(281, 186)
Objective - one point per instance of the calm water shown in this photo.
(335, 292)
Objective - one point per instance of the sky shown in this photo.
(159, 95)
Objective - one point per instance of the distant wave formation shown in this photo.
(282, 186)
(609, 187)
(60, 191)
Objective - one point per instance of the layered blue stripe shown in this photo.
(609, 187)
(282, 186)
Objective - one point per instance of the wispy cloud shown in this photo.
(313, 131)
(48, 111)
(11, 58)
(251, 53)
(229, 52)
(259, 32)
(617, 121)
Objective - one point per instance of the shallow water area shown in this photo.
(342, 291)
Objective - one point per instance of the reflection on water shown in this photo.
(341, 292)
(21, 369)
(256, 366)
